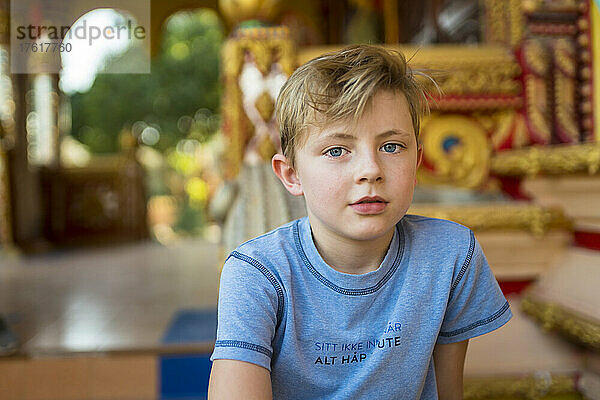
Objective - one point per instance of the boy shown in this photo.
(357, 300)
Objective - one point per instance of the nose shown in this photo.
(368, 168)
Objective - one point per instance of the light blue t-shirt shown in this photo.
(325, 334)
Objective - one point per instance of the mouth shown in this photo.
(369, 205)
(367, 200)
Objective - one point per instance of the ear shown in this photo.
(286, 174)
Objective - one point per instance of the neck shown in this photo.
(351, 256)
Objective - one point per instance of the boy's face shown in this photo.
(358, 179)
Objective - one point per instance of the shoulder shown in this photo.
(258, 269)
(438, 238)
(270, 244)
(434, 228)
(268, 253)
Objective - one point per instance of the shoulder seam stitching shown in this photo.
(256, 264)
(286, 226)
(465, 265)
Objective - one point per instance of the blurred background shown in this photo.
(121, 194)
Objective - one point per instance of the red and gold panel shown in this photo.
(536, 63)
(565, 91)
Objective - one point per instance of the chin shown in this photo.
(370, 231)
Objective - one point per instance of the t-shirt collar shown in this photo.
(351, 284)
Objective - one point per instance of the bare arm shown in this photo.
(449, 362)
(232, 379)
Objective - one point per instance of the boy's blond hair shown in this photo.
(338, 86)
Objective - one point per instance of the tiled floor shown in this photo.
(104, 300)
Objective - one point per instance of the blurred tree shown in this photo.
(179, 98)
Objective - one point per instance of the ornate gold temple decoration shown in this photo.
(560, 159)
(584, 24)
(537, 65)
(265, 47)
(266, 149)
(472, 77)
(534, 219)
(554, 317)
(531, 6)
(495, 26)
(507, 128)
(516, 21)
(504, 22)
(562, 28)
(265, 106)
(534, 387)
(265, 44)
(565, 77)
(457, 148)
(236, 11)
(463, 71)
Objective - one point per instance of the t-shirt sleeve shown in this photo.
(476, 304)
(250, 301)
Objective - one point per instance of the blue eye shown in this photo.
(391, 147)
(335, 152)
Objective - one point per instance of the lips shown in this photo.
(370, 199)
(369, 205)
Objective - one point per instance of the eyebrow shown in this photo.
(340, 135)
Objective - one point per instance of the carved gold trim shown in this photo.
(534, 219)
(562, 159)
(504, 126)
(517, 22)
(262, 43)
(495, 22)
(496, 28)
(486, 70)
(536, 57)
(530, 387)
(459, 70)
(537, 65)
(532, 6)
(504, 22)
(554, 317)
(564, 90)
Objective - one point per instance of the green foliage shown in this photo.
(184, 80)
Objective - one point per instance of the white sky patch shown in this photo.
(81, 65)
